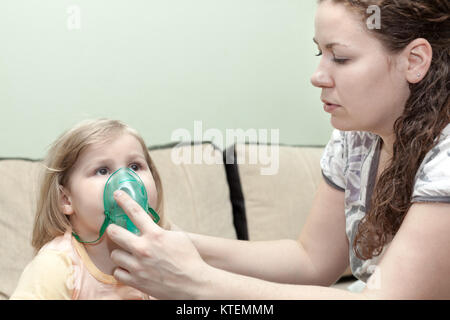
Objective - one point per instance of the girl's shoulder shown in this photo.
(62, 243)
(47, 276)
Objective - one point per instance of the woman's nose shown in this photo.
(321, 79)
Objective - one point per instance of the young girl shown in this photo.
(70, 207)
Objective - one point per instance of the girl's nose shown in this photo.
(321, 79)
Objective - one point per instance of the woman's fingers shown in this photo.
(122, 237)
(124, 277)
(138, 216)
(134, 211)
(124, 260)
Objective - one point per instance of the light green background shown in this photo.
(158, 66)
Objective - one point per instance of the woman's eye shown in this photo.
(102, 171)
(340, 61)
(336, 60)
(135, 166)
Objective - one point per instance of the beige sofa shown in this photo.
(232, 200)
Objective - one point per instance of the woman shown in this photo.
(387, 167)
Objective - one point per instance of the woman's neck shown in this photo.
(387, 144)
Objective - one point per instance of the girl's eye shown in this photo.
(102, 171)
(135, 166)
(319, 54)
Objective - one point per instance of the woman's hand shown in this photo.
(164, 264)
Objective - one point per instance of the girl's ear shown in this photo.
(64, 201)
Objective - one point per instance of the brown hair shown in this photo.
(50, 222)
(426, 113)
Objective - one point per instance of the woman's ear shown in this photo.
(64, 201)
(419, 54)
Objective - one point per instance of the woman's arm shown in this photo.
(416, 266)
(281, 261)
(319, 256)
(217, 284)
(166, 264)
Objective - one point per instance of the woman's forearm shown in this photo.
(283, 261)
(222, 285)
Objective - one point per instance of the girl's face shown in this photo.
(356, 73)
(83, 196)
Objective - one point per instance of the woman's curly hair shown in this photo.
(426, 113)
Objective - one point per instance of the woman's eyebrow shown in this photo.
(331, 44)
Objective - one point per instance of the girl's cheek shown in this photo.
(152, 196)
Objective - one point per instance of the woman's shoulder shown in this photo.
(432, 181)
(440, 153)
(345, 148)
(445, 135)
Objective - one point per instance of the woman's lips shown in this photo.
(328, 107)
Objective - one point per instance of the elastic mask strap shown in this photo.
(154, 214)
(107, 221)
(105, 224)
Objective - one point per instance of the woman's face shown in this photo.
(356, 73)
(84, 191)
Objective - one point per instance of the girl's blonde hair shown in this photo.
(50, 222)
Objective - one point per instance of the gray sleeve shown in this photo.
(332, 162)
(432, 181)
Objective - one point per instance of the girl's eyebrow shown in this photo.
(94, 163)
(99, 160)
(136, 155)
(331, 44)
(102, 160)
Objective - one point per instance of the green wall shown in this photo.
(158, 66)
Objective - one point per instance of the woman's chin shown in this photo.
(341, 125)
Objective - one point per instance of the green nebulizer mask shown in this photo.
(127, 181)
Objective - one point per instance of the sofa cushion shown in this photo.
(18, 197)
(277, 205)
(196, 193)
